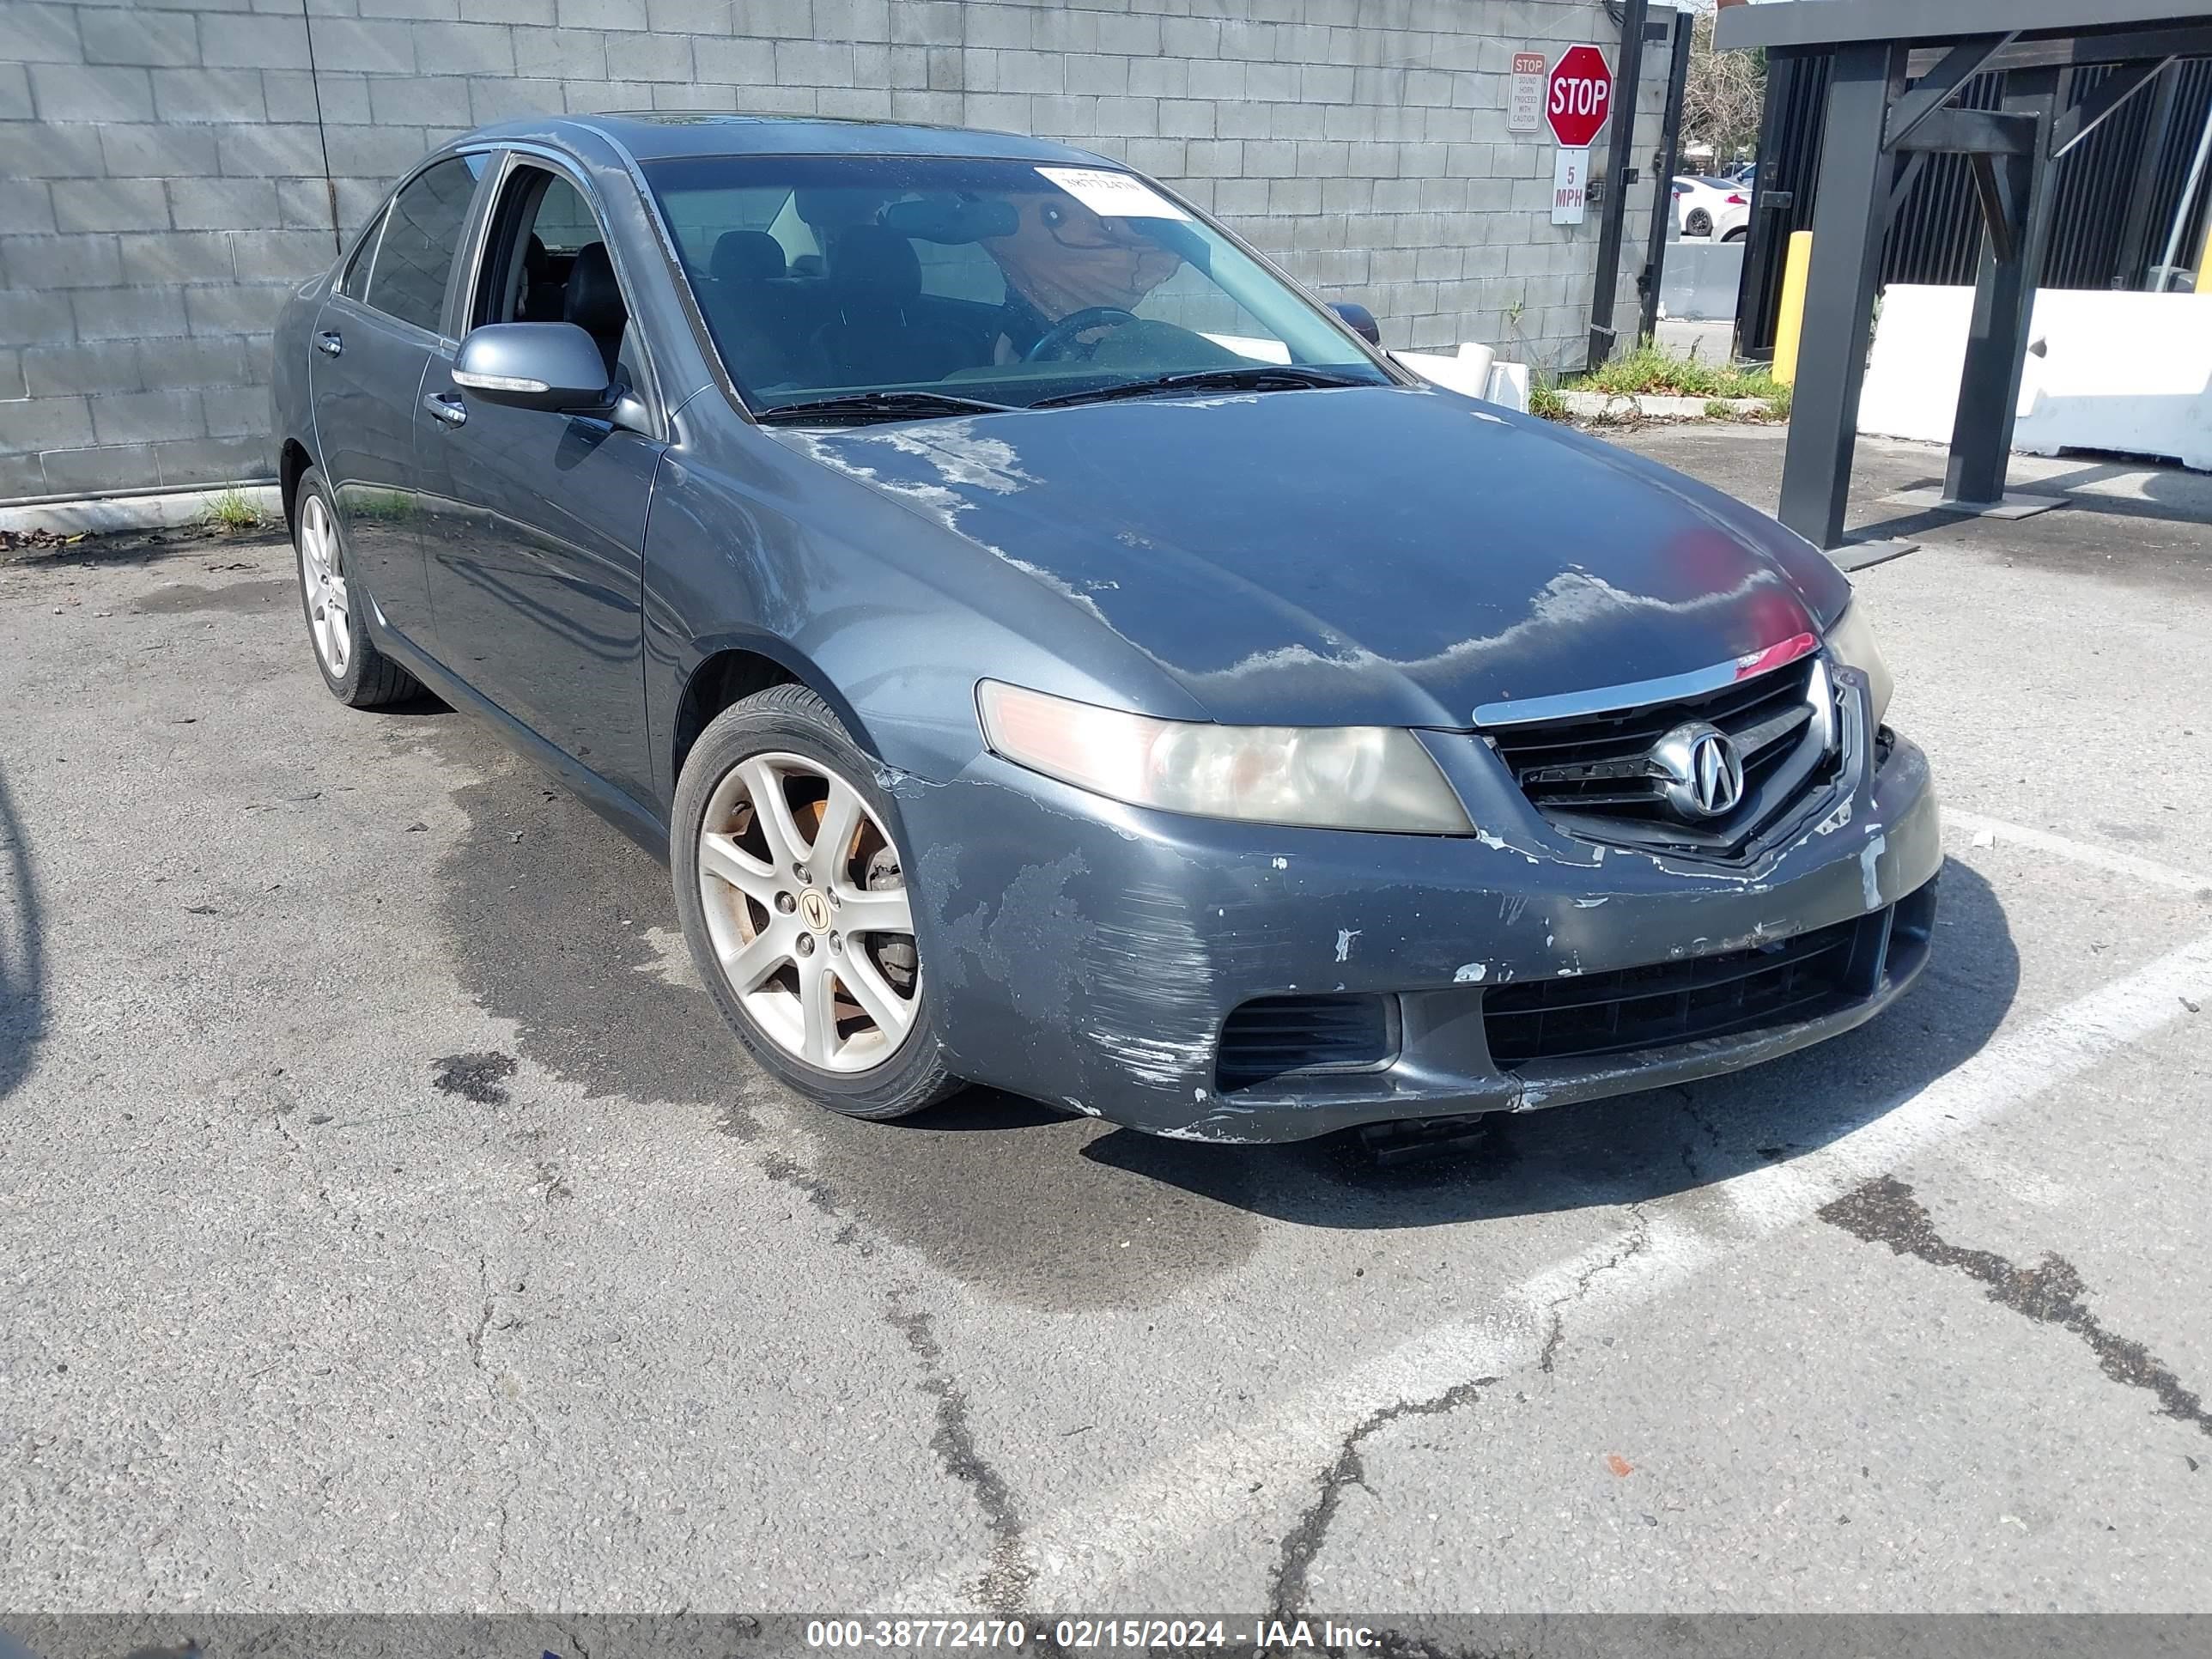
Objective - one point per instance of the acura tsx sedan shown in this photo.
(1053, 650)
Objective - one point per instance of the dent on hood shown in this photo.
(1073, 503)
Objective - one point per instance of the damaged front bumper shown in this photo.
(1091, 954)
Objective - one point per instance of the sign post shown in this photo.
(1576, 100)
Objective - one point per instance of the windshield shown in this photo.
(998, 282)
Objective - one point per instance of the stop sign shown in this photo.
(1576, 98)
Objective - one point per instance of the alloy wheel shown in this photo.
(806, 906)
(322, 579)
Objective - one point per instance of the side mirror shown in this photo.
(534, 366)
(1361, 321)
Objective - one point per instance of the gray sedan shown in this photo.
(1053, 650)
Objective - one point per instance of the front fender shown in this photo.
(891, 617)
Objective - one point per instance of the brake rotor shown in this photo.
(897, 957)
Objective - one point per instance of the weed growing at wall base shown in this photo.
(234, 510)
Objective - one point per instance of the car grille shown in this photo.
(1668, 1003)
(1593, 774)
(1275, 1037)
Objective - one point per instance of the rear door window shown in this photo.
(421, 235)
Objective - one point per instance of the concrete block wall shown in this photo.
(168, 166)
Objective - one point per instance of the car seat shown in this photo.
(543, 296)
(874, 335)
(755, 308)
(745, 256)
(595, 303)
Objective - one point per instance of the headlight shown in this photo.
(1334, 777)
(1852, 643)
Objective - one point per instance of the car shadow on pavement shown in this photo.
(23, 959)
(1640, 1146)
(1036, 1206)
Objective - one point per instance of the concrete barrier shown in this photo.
(1700, 280)
(1475, 372)
(2130, 373)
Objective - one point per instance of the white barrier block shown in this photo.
(2129, 373)
(1474, 371)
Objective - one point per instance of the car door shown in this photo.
(535, 544)
(372, 346)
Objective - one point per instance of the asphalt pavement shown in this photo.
(390, 1224)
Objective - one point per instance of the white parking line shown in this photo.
(1097, 1546)
(2080, 852)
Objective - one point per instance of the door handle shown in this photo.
(329, 344)
(447, 407)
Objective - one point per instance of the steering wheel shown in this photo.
(1055, 338)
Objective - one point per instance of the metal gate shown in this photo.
(2113, 200)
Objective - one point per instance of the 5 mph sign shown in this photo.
(1576, 99)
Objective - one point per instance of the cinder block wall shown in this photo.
(168, 166)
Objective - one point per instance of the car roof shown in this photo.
(655, 135)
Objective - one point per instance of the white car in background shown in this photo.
(1718, 208)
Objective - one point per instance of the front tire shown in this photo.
(791, 891)
(358, 674)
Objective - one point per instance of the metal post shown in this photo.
(2187, 200)
(1662, 191)
(1625, 79)
(2004, 303)
(2134, 230)
(1781, 197)
(1850, 217)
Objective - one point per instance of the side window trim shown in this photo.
(468, 254)
(484, 224)
(485, 243)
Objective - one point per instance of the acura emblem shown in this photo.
(1700, 774)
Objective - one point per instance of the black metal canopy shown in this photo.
(1897, 65)
(1834, 23)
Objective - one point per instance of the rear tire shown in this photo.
(358, 674)
(796, 911)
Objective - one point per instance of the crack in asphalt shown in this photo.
(504, 1390)
(475, 1338)
(1004, 1585)
(498, 1543)
(1885, 1211)
(498, 1399)
(1301, 1544)
(1638, 1242)
(1690, 1109)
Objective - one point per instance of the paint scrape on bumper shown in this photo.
(1118, 945)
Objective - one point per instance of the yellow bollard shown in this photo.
(2204, 263)
(1789, 321)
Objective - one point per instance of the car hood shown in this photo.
(1365, 555)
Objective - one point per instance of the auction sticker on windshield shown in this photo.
(1113, 195)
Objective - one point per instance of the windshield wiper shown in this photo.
(877, 406)
(1252, 377)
